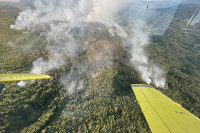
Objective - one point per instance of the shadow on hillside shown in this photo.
(122, 83)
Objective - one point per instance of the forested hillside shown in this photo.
(178, 51)
(107, 103)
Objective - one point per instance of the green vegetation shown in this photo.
(177, 50)
(107, 103)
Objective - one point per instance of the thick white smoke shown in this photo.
(56, 19)
(104, 11)
(150, 72)
(21, 84)
(72, 11)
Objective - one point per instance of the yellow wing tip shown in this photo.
(48, 77)
(178, 104)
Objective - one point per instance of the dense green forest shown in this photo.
(107, 103)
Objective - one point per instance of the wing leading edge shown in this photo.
(162, 114)
(20, 77)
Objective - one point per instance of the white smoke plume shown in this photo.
(47, 11)
(21, 84)
(42, 66)
(149, 71)
(57, 19)
(72, 84)
(103, 11)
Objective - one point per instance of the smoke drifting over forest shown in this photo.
(58, 19)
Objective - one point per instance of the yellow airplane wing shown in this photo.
(20, 77)
(162, 114)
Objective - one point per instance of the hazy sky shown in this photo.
(9, 0)
(130, 0)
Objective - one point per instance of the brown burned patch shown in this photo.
(100, 51)
(100, 54)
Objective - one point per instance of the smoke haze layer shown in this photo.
(64, 23)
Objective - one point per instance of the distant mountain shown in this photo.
(19, 5)
(179, 16)
(160, 20)
(184, 15)
(192, 2)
